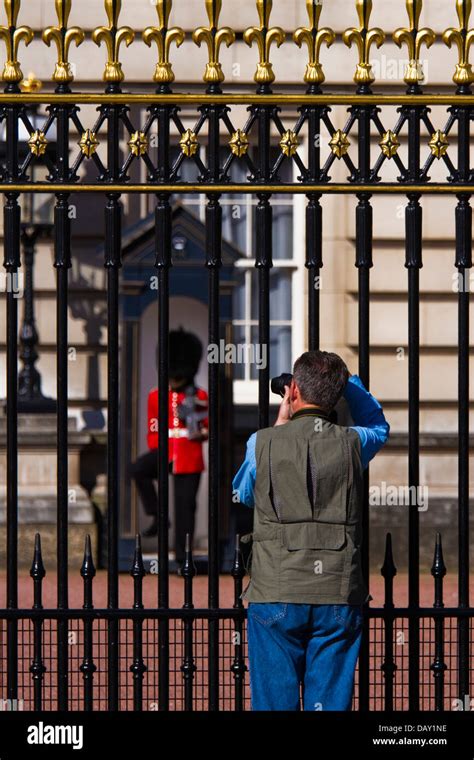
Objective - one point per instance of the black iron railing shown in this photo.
(195, 658)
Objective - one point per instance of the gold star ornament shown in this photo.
(289, 143)
(138, 143)
(38, 143)
(189, 142)
(439, 144)
(239, 143)
(389, 144)
(339, 143)
(89, 143)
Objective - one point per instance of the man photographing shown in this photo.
(304, 476)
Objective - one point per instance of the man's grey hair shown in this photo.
(321, 378)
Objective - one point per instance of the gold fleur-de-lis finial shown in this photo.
(414, 38)
(13, 35)
(264, 36)
(314, 37)
(164, 37)
(214, 37)
(364, 37)
(463, 38)
(113, 36)
(63, 37)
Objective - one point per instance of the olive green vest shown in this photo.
(307, 519)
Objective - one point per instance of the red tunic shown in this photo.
(186, 455)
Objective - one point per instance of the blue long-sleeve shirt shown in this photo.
(369, 422)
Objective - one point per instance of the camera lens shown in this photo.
(278, 383)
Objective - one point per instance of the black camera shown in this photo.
(278, 383)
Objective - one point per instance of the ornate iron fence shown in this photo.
(187, 658)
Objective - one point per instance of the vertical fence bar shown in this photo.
(238, 666)
(364, 245)
(11, 263)
(138, 667)
(62, 263)
(62, 228)
(37, 668)
(414, 38)
(263, 261)
(314, 222)
(389, 667)
(163, 263)
(314, 263)
(264, 114)
(364, 227)
(87, 666)
(463, 263)
(413, 263)
(264, 221)
(11, 225)
(113, 37)
(438, 667)
(214, 263)
(188, 668)
(113, 226)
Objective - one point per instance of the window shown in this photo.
(239, 227)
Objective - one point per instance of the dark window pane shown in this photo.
(239, 339)
(280, 294)
(282, 232)
(238, 302)
(234, 223)
(280, 351)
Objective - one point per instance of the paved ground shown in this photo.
(226, 586)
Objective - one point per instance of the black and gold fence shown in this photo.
(128, 650)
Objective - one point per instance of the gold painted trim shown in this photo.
(138, 144)
(63, 37)
(314, 37)
(339, 143)
(239, 143)
(189, 143)
(88, 143)
(389, 144)
(289, 143)
(252, 189)
(214, 37)
(364, 37)
(163, 36)
(113, 37)
(236, 99)
(439, 144)
(264, 35)
(38, 143)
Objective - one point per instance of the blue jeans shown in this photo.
(309, 646)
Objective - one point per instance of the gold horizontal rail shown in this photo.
(204, 189)
(237, 99)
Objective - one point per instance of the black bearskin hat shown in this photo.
(185, 354)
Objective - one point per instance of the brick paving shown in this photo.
(226, 586)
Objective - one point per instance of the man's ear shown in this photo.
(294, 391)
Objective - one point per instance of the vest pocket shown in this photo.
(289, 476)
(332, 472)
(313, 561)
